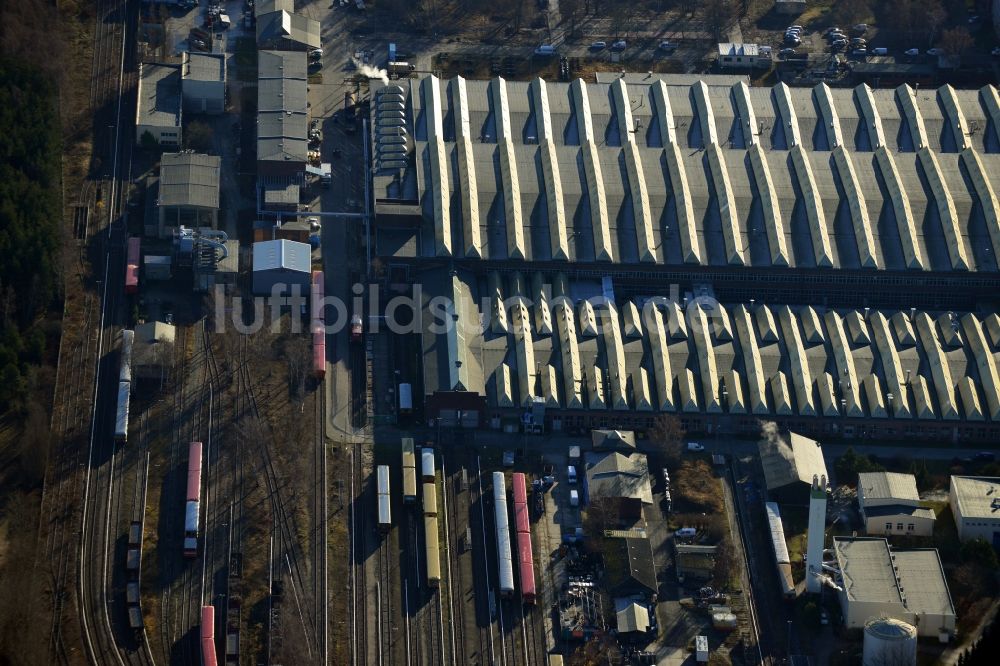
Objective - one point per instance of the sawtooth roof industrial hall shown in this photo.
(808, 251)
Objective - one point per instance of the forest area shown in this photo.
(35, 75)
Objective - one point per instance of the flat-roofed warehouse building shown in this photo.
(158, 109)
(862, 203)
(905, 584)
(975, 503)
(823, 371)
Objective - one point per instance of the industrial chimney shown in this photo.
(816, 535)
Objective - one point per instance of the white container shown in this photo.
(574, 498)
(571, 474)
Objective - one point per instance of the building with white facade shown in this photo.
(905, 584)
(203, 82)
(890, 505)
(975, 503)
(158, 111)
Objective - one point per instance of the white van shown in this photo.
(574, 498)
(571, 474)
(695, 446)
(880, 51)
(545, 50)
(686, 532)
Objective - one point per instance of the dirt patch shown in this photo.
(696, 488)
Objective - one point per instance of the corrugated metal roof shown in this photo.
(189, 179)
(888, 485)
(282, 255)
(279, 25)
(282, 64)
(866, 570)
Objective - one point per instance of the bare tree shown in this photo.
(667, 437)
(572, 12)
(956, 41)
(718, 16)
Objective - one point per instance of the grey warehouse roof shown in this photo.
(204, 66)
(616, 475)
(286, 25)
(282, 255)
(282, 107)
(977, 496)
(159, 95)
(189, 179)
(700, 175)
(792, 459)
(534, 333)
(888, 486)
(873, 572)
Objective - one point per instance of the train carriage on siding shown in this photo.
(409, 471)
(427, 464)
(522, 526)
(192, 507)
(121, 414)
(384, 511)
(208, 656)
(317, 325)
(432, 551)
(505, 564)
(125, 371)
(132, 265)
(430, 499)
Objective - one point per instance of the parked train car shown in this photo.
(505, 564)
(125, 371)
(427, 464)
(430, 499)
(405, 399)
(132, 266)
(317, 326)
(192, 506)
(121, 415)
(384, 513)
(525, 559)
(432, 551)
(208, 656)
(781, 559)
(409, 471)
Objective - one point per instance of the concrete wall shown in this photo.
(264, 281)
(167, 137)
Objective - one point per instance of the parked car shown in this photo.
(313, 223)
(668, 46)
(859, 28)
(508, 458)
(935, 52)
(985, 456)
(784, 53)
(912, 52)
(824, 617)
(792, 40)
(695, 447)
(880, 51)
(839, 45)
(598, 46)
(620, 45)
(860, 52)
(831, 29)
(571, 474)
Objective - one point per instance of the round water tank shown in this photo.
(889, 641)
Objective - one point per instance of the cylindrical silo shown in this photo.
(889, 641)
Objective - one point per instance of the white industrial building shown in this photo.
(203, 82)
(975, 503)
(890, 505)
(744, 56)
(905, 584)
(283, 264)
(159, 109)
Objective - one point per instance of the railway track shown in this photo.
(320, 546)
(359, 579)
(286, 552)
(453, 570)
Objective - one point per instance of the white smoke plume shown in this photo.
(370, 71)
(769, 432)
(829, 582)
